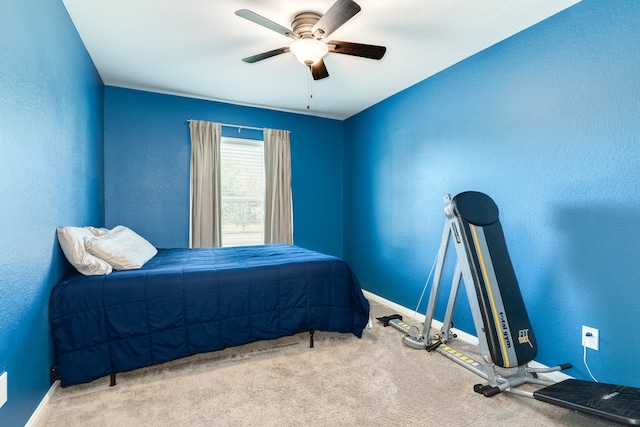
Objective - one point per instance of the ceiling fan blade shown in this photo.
(357, 49)
(319, 70)
(261, 20)
(265, 55)
(339, 13)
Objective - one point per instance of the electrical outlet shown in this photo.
(590, 337)
(3, 389)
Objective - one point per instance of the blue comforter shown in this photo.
(186, 301)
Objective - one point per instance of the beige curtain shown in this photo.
(278, 216)
(206, 214)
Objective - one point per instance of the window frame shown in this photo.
(242, 238)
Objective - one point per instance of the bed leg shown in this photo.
(53, 373)
(311, 339)
(112, 379)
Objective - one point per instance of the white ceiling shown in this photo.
(194, 48)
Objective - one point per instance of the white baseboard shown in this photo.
(464, 336)
(35, 417)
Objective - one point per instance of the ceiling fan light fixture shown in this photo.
(308, 51)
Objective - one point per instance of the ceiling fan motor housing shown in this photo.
(302, 23)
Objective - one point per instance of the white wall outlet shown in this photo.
(590, 337)
(3, 389)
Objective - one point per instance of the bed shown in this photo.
(186, 301)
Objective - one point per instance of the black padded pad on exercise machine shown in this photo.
(507, 327)
(613, 402)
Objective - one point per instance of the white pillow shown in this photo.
(121, 247)
(71, 241)
(97, 231)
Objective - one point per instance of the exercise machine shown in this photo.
(505, 336)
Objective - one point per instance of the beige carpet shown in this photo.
(343, 381)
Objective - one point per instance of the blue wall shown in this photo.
(51, 174)
(548, 124)
(147, 155)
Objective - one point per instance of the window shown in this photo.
(246, 188)
(243, 189)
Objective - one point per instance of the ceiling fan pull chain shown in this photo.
(309, 92)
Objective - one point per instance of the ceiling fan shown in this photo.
(309, 29)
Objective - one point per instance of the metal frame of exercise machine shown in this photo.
(507, 342)
(505, 336)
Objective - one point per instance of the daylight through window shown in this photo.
(243, 189)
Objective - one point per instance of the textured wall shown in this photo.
(51, 129)
(147, 154)
(548, 124)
